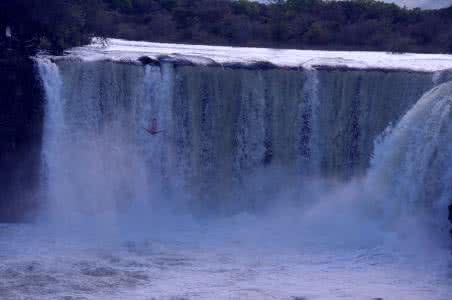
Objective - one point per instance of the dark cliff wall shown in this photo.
(21, 114)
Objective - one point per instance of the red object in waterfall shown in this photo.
(153, 127)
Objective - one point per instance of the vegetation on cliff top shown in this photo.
(315, 24)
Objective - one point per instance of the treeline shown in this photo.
(55, 25)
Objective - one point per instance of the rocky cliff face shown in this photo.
(20, 136)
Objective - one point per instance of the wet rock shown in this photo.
(146, 60)
(21, 115)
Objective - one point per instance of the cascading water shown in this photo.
(226, 132)
(285, 156)
(355, 108)
(310, 130)
(410, 168)
(97, 156)
(54, 125)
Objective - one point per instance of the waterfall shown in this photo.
(54, 127)
(258, 173)
(94, 159)
(229, 136)
(410, 169)
(355, 108)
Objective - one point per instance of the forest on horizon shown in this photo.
(301, 24)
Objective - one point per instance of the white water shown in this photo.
(411, 165)
(194, 213)
(130, 51)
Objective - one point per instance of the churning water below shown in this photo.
(236, 258)
(262, 186)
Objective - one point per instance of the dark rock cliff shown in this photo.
(21, 115)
